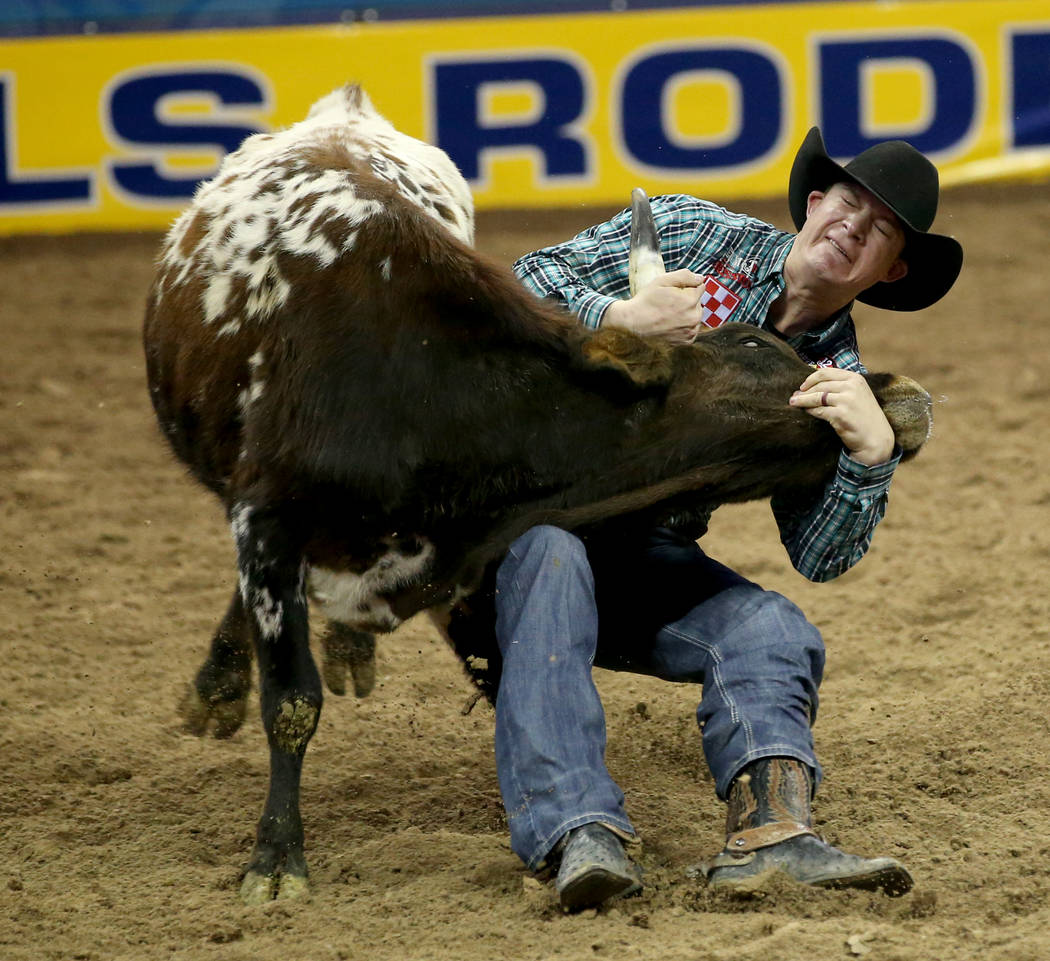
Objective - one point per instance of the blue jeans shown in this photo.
(655, 605)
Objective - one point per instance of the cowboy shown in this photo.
(640, 595)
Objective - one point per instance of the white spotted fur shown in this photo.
(248, 225)
(353, 598)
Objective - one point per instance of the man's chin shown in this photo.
(832, 270)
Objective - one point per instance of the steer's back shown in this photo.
(295, 229)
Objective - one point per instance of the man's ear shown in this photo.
(814, 198)
(897, 270)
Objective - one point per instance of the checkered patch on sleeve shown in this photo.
(717, 303)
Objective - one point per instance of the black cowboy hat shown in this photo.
(906, 182)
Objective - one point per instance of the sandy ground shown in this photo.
(122, 837)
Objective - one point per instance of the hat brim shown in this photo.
(934, 260)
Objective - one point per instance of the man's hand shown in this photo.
(668, 308)
(844, 399)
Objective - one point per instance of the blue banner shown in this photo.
(26, 18)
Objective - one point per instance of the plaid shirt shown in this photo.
(746, 257)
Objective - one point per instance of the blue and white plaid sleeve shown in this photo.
(585, 274)
(590, 271)
(827, 539)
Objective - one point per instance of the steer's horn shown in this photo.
(645, 263)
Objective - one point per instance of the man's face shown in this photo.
(850, 239)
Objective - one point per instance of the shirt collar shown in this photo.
(828, 333)
(772, 268)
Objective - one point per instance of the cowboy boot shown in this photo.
(769, 828)
(594, 868)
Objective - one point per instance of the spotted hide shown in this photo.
(381, 410)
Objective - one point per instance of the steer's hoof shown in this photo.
(258, 888)
(224, 717)
(347, 650)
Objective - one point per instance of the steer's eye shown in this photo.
(750, 342)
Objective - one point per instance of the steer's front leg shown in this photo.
(219, 693)
(272, 582)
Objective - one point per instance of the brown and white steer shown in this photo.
(381, 410)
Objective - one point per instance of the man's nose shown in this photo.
(857, 223)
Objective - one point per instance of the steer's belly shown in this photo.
(356, 598)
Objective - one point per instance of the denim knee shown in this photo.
(793, 647)
(801, 638)
(545, 588)
(546, 541)
(544, 558)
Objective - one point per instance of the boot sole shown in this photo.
(891, 880)
(594, 887)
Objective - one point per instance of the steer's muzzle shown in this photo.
(908, 407)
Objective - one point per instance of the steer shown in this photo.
(381, 410)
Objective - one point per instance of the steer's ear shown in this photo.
(646, 363)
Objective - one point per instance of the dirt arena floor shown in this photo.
(121, 837)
